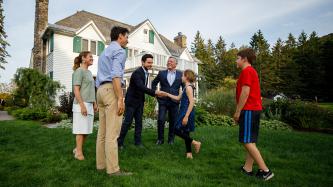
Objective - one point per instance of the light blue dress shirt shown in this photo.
(111, 63)
(171, 76)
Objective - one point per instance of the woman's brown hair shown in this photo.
(78, 59)
(190, 75)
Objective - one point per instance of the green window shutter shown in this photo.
(151, 36)
(52, 42)
(77, 44)
(126, 49)
(100, 47)
(51, 75)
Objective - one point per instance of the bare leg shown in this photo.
(248, 166)
(255, 154)
(79, 143)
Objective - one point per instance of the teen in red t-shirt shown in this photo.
(248, 113)
(249, 77)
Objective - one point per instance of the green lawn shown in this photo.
(31, 155)
(327, 106)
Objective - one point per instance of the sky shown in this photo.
(236, 21)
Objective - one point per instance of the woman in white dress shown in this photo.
(84, 104)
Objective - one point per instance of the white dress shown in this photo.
(83, 124)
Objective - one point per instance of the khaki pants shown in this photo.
(109, 129)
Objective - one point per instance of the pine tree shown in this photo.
(261, 47)
(275, 65)
(3, 42)
(220, 49)
(199, 50)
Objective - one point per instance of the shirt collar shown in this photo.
(117, 44)
(146, 71)
(174, 71)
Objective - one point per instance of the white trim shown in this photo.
(95, 28)
(188, 54)
(156, 34)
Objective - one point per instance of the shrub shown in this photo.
(300, 115)
(204, 118)
(66, 103)
(149, 107)
(34, 89)
(219, 101)
(50, 116)
(275, 125)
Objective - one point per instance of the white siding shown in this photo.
(63, 60)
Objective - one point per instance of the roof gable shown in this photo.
(81, 18)
(94, 27)
(104, 24)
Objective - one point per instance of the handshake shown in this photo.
(161, 93)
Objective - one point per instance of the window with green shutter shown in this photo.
(100, 47)
(51, 42)
(51, 75)
(77, 44)
(151, 36)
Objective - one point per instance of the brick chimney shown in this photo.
(180, 40)
(41, 22)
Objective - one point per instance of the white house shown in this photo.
(83, 31)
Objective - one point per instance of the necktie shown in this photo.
(146, 80)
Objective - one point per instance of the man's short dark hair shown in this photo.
(247, 53)
(145, 56)
(174, 58)
(115, 31)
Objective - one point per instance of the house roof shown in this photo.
(79, 19)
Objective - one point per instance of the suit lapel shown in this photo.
(166, 76)
(143, 75)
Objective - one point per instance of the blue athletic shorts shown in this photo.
(249, 121)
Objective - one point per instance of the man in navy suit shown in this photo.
(170, 81)
(135, 98)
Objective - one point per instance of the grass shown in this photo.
(31, 155)
(328, 106)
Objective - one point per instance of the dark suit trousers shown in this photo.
(172, 110)
(130, 113)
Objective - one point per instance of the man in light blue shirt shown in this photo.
(111, 64)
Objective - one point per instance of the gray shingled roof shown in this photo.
(104, 24)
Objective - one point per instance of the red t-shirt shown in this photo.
(249, 77)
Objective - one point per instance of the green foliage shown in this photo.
(149, 107)
(34, 89)
(299, 68)
(204, 118)
(3, 43)
(49, 116)
(300, 115)
(274, 125)
(219, 101)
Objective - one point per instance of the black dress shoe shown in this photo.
(159, 142)
(171, 142)
(140, 145)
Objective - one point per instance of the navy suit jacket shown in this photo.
(136, 91)
(165, 86)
